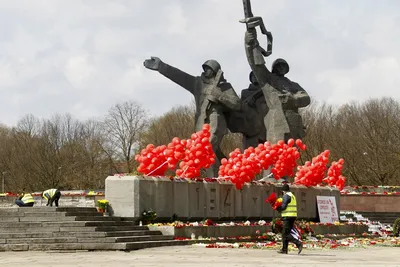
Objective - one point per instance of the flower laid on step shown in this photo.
(148, 216)
(102, 204)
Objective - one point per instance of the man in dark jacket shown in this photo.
(289, 214)
(213, 96)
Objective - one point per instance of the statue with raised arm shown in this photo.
(283, 97)
(213, 95)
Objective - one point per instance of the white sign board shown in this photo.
(327, 209)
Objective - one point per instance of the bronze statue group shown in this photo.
(268, 110)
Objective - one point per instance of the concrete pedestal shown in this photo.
(129, 196)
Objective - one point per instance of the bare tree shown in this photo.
(124, 124)
(178, 122)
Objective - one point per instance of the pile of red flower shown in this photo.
(194, 154)
(274, 201)
(243, 167)
(314, 173)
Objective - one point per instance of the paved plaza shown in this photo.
(189, 256)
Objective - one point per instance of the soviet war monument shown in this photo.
(267, 111)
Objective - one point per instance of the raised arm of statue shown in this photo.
(255, 59)
(182, 78)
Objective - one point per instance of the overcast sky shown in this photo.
(83, 56)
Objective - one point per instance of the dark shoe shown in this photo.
(300, 247)
(282, 251)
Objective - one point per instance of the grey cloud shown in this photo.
(91, 52)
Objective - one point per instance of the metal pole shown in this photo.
(3, 182)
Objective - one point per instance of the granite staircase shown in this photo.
(383, 217)
(74, 228)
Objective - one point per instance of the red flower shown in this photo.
(272, 198)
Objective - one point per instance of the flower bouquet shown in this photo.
(274, 201)
(148, 216)
(102, 205)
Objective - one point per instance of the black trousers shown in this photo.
(288, 223)
(55, 198)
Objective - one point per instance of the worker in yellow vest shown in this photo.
(25, 200)
(289, 214)
(52, 195)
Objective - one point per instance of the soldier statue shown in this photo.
(213, 95)
(283, 97)
(255, 106)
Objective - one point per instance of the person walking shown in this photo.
(289, 214)
(52, 195)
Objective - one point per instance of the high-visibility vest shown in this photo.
(291, 209)
(27, 198)
(49, 193)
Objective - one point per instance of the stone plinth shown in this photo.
(129, 196)
(370, 203)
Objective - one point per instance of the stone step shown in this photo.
(47, 219)
(16, 219)
(41, 240)
(132, 233)
(78, 209)
(26, 235)
(92, 246)
(32, 229)
(62, 246)
(57, 223)
(119, 228)
(85, 239)
(65, 223)
(96, 218)
(8, 219)
(80, 234)
(77, 229)
(152, 244)
(87, 214)
(143, 238)
(372, 213)
(109, 223)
